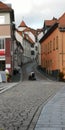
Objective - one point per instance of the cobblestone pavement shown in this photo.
(27, 68)
(5, 86)
(52, 116)
(20, 104)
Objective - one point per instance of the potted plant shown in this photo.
(61, 75)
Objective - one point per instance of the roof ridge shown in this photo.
(4, 6)
(61, 16)
(22, 24)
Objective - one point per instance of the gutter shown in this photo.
(49, 32)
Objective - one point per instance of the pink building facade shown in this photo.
(6, 37)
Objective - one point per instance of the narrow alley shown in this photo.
(31, 67)
(20, 106)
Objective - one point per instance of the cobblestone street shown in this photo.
(22, 103)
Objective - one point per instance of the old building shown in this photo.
(39, 34)
(26, 43)
(53, 46)
(27, 37)
(18, 52)
(6, 37)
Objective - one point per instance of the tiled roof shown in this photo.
(49, 32)
(22, 24)
(38, 31)
(33, 31)
(28, 38)
(27, 29)
(49, 22)
(20, 33)
(61, 21)
(4, 7)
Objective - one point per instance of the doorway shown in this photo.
(2, 65)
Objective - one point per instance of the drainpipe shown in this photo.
(62, 50)
(62, 53)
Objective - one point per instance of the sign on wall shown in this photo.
(8, 65)
(2, 57)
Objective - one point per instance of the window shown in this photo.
(46, 48)
(36, 48)
(57, 42)
(32, 45)
(54, 44)
(50, 46)
(2, 19)
(32, 52)
(2, 46)
(36, 39)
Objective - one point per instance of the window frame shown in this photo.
(56, 42)
(2, 44)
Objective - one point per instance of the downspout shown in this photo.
(62, 51)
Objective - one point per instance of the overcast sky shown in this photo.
(34, 12)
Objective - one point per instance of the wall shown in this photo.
(5, 19)
(6, 32)
(49, 57)
(19, 37)
(8, 54)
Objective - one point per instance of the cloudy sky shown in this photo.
(34, 12)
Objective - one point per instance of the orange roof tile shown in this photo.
(30, 29)
(33, 31)
(61, 20)
(27, 29)
(50, 22)
(4, 7)
(22, 24)
(28, 38)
